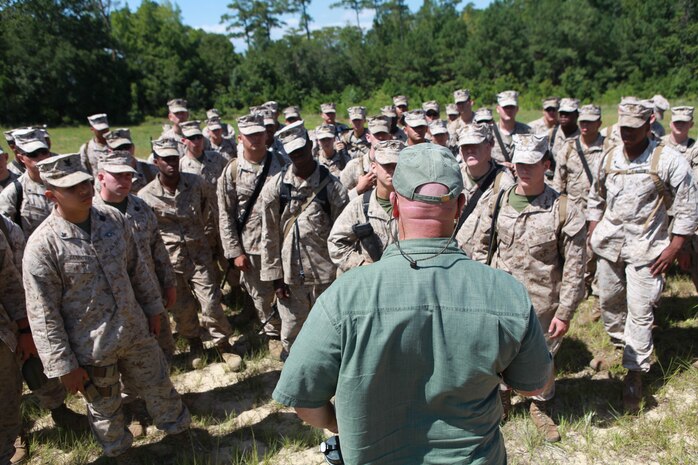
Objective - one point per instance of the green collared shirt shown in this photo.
(415, 357)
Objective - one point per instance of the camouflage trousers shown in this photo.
(627, 296)
(262, 295)
(195, 288)
(294, 310)
(51, 395)
(143, 368)
(11, 394)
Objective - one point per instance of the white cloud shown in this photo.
(213, 28)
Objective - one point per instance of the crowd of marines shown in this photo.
(102, 252)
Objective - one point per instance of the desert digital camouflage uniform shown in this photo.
(145, 172)
(227, 149)
(356, 146)
(144, 227)
(90, 153)
(561, 140)
(519, 128)
(633, 229)
(547, 255)
(209, 167)
(300, 258)
(351, 173)
(12, 308)
(538, 126)
(67, 273)
(10, 178)
(182, 221)
(570, 177)
(35, 206)
(344, 245)
(234, 192)
(336, 164)
(15, 238)
(469, 236)
(689, 150)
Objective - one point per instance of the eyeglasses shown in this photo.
(37, 153)
(195, 138)
(550, 110)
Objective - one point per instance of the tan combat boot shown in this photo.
(544, 423)
(632, 392)
(196, 353)
(21, 450)
(226, 351)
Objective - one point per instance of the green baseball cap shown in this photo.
(425, 164)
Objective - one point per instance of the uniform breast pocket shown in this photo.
(542, 246)
(80, 272)
(644, 189)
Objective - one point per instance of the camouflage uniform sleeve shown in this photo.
(683, 187)
(271, 242)
(342, 243)
(8, 201)
(11, 290)
(560, 177)
(339, 198)
(210, 210)
(573, 247)
(43, 287)
(145, 289)
(84, 159)
(161, 259)
(15, 237)
(596, 203)
(227, 214)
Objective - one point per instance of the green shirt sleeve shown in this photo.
(531, 367)
(309, 377)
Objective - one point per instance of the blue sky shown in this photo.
(206, 14)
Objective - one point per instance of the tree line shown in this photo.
(64, 59)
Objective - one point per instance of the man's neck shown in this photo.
(382, 192)
(254, 157)
(569, 131)
(194, 155)
(34, 176)
(590, 138)
(328, 154)
(530, 191)
(467, 116)
(636, 152)
(169, 183)
(111, 197)
(359, 132)
(4, 174)
(75, 217)
(508, 125)
(305, 173)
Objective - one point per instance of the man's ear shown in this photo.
(50, 195)
(393, 202)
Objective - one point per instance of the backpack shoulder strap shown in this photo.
(366, 201)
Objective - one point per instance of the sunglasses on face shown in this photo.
(37, 153)
(195, 138)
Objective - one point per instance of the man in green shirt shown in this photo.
(415, 345)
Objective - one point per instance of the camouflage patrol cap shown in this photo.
(660, 103)
(682, 113)
(292, 112)
(325, 131)
(251, 124)
(483, 115)
(416, 118)
(431, 105)
(272, 105)
(529, 149)
(357, 112)
(389, 111)
(569, 105)
(166, 147)
(118, 137)
(387, 151)
(377, 124)
(328, 108)
(426, 164)
(29, 140)
(213, 113)
(634, 115)
(177, 105)
(461, 95)
(8, 136)
(400, 100)
(508, 98)
(255, 110)
(551, 102)
(437, 127)
(268, 116)
(590, 113)
(119, 161)
(98, 121)
(214, 123)
(63, 170)
(474, 134)
(452, 110)
(293, 136)
(191, 128)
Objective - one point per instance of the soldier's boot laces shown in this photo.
(505, 397)
(196, 353)
(67, 419)
(544, 423)
(226, 351)
(632, 392)
(21, 450)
